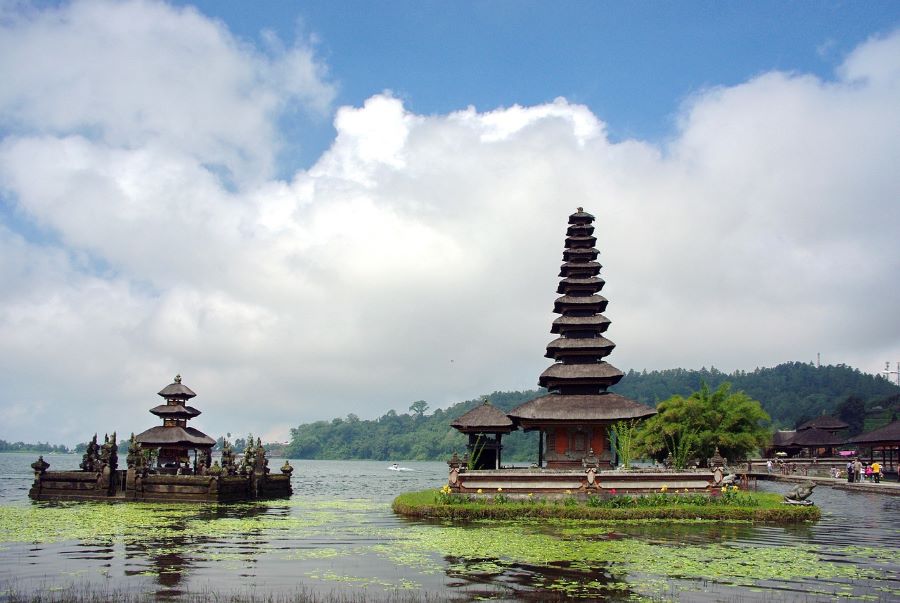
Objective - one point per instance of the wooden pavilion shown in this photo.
(824, 423)
(816, 442)
(574, 417)
(485, 425)
(884, 443)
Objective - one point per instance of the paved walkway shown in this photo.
(884, 487)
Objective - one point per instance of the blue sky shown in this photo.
(328, 208)
(632, 63)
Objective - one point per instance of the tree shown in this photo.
(705, 420)
(852, 411)
(418, 408)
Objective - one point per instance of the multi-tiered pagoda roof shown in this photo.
(175, 414)
(579, 377)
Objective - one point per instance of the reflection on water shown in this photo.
(337, 534)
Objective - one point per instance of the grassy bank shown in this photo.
(728, 506)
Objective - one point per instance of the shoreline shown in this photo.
(883, 487)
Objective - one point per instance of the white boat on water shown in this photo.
(397, 467)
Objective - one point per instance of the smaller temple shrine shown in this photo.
(170, 462)
(485, 425)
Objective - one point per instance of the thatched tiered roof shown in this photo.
(174, 431)
(824, 422)
(174, 436)
(579, 377)
(889, 434)
(485, 418)
(816, 438)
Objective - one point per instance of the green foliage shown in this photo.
(733, 422)
(680, 446)
(402, 436)
(26, 447)
(419, 408)
(477, 449)
(852, 411)
(621, 433)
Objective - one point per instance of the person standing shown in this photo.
(850, 471)
(876, 472)
(858, 469)
(769, 465)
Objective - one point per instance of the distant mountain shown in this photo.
(791, 393)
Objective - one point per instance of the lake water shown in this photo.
(337, 535)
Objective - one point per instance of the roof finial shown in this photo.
(580, 210)
(178, 378)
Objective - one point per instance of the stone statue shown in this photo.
(89, 459)
(717, 460)
(454, 461)
(228, 467)
(286, 469)
(799, 493)
(40, 466)
(113, 453)
(134, 460)
(260, 462)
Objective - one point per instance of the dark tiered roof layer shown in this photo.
(596, 323)
(580, 254)
(580, 303)
(174, 436)
(783, 438)
(580, 269)
(485, 418)
(816, 437)
(175, 411)
(580, 230)
(581, 240)
(590, 284)
(564, 346)
(177, 390)
(889, 434)
(581, 408)
(590, 373)
(824, 422)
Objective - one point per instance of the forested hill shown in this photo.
(790, 393)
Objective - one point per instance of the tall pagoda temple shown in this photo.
(574, 417)
(174, 439)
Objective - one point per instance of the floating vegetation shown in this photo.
(142, 522)
(359, 546)
(494, 548)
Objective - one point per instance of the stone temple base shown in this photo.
(587, 481)
(131, 486)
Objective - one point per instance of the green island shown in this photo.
(727, 504)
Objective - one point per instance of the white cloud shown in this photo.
(417, 258)
(142, 72)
